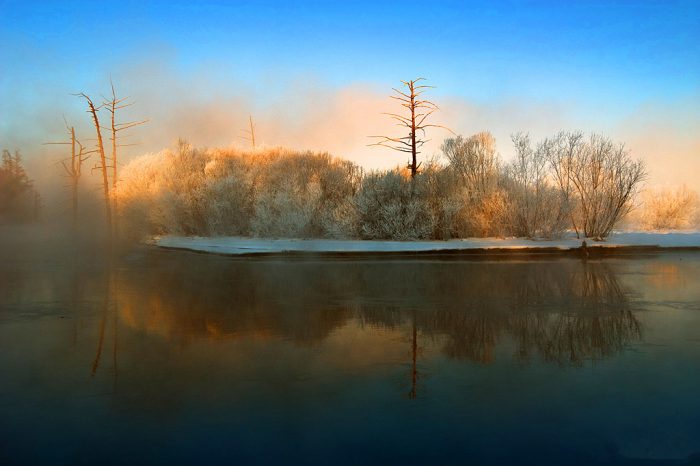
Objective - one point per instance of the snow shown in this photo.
(240, 245)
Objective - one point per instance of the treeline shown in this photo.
(567, 182)
(19, 200)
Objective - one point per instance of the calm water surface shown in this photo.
(165, 357)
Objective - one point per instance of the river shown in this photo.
(171, 357)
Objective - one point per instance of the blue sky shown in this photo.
(632, 51)
(603, 60)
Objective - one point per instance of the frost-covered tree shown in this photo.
(670, 209)
(536, 206)
(597, 174)
(476, 170)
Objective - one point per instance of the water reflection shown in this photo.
(564, 312)
(192, 351)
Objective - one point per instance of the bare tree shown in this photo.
(249, 134)
(475, 161)
(601, 175)
(92, 110)
(537, 206)
(418, 111)
(562, 151)
(73, 168)
(113, 104)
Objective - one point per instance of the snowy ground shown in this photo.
(238, 245)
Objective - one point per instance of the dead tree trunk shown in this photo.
(112, 106)
(418, 112)
(103, 161)
(414, 150)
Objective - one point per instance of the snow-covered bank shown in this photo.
(238, 245)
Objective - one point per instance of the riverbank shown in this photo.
(617, 243)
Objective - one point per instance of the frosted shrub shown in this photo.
(340, 221)
(389, 206)
(159, 193)
(268, 193)
(443, 196)
(286, 210)
(476, 179)
(227, 205)
(298, 195)
(667, 209)
(537, 208)
(487, 216)
(598, 180)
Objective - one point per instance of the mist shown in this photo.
(209, 107)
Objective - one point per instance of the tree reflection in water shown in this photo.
(563, 311)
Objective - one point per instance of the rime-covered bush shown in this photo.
(164, 192)
(445, 199)
(477, 186)
(297, 193)
(536, 206)
(266, 193)
(561, 183)
(597, 180)
(669, 209)
(393, 206)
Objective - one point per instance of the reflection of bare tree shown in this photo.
(572, 338)
(414, 361)
(566, 313)
(101, 337)
(107, 305)
(592, 320)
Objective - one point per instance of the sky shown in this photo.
(317, 75)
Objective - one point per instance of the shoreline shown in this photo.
(620, 244)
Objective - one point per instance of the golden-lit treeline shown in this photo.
(268, 192)
(566, 182)
(340, 121)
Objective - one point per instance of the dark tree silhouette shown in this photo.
(18, 198)
(417, 112)
(73, 167)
